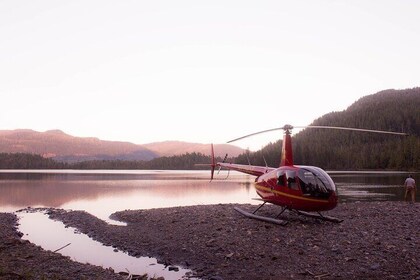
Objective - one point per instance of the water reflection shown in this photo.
(83, 249)
(101, 193)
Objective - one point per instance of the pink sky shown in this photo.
(147, 71)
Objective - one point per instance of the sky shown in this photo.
(198, 71)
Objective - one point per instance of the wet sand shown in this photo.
(376, 240)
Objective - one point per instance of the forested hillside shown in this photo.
(392, 110)
(181, 162)
(27, 161)
(31, 161)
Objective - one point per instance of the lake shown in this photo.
(102, 192)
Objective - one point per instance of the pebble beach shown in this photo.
(376, 240)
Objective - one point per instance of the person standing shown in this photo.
(410, 188)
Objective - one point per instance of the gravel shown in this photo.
(376, 240)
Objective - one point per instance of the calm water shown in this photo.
(371, 186)
(104, 192)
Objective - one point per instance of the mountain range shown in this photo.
(392, 110)
(60, 146)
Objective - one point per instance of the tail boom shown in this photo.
(247, 169)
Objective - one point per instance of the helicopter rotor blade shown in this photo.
(289, 127)
(353, 129)
(256, 133)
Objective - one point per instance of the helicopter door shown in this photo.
(281, 178)
(292, 179)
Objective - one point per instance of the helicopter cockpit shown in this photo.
(313, 181)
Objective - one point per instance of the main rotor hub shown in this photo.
(287, 128)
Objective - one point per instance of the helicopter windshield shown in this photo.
(315, 182)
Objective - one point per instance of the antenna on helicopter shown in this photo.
(266, 165)
(247, 156)
(223, 161)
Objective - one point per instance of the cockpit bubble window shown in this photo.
(291, 179)
(314, 183)
(281, 178)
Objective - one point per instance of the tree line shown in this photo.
(32, 161)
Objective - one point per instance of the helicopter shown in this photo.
(305, 190)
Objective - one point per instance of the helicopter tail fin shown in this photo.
(212, 164)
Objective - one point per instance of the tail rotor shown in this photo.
(213, 163)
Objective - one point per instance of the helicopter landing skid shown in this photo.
(320, 216)
(303, 213)
(262, 218)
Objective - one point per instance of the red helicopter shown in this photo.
(298, 188)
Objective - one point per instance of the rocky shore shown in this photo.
(377, 240)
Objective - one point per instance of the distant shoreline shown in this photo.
(58, 170)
